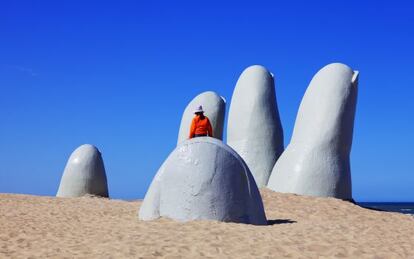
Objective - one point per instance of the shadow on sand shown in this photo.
(280, 221)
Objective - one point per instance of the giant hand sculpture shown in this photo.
(316, 161)
(215, 108)
(84, 174)
(254, 130)
(204, 179)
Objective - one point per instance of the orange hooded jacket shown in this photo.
(200, 126)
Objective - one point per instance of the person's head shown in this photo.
(199, 111)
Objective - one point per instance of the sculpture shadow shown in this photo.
(271, 222)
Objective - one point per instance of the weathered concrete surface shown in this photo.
(214, 108)
(84, 174)
(316, 162)
(254, 129)
(204, 179)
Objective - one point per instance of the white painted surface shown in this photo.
(214, 107)
(254, 130)
(316, 162)
(84, 174)
(204, 179)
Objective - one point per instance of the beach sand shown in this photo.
(300, 226)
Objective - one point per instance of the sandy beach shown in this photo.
(306, 227)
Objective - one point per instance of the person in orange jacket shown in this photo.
(200, 125)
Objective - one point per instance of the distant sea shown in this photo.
(401, 207)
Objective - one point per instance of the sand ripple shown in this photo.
(301, 227)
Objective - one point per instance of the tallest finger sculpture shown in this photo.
(316, 162)
(254, 130)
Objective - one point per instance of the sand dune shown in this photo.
(307, 227)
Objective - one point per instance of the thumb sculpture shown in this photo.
(316, 162)
(204, 179)
(254, 130)
(215, 108)
(84, 174)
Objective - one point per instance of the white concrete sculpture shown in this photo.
(84, 174)
(204, 179)
(214, 107)
(316, 162)
(254, 130)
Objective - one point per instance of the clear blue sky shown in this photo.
(118, 74)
